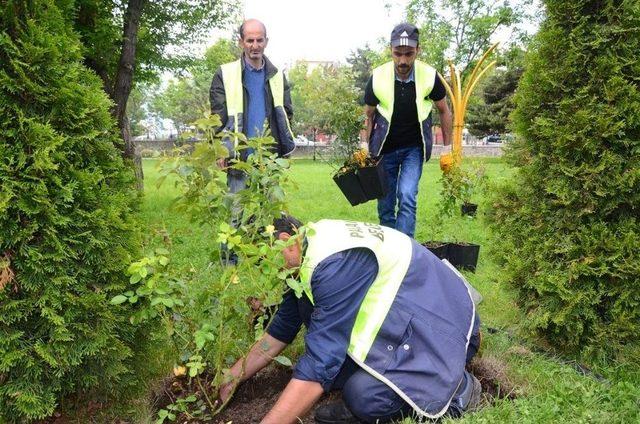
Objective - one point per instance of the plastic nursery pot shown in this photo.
(464, 255)
(373, 181)
(438, 248)
(350, 186)
(469, 209)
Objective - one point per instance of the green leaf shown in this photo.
(135, 278)
(118, 299)
(283, 360)
(283, 163)
(163, 260)
(278, 194)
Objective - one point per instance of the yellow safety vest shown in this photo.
(439, 313)
(232, 80)
(393, 252)
(384, 78)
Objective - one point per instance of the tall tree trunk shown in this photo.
(123, 82)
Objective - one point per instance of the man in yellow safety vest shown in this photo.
(398, 102)
(249, 92)
(387, 322)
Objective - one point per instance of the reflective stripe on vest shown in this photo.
(232, 80)
(384, 78)
(277, 90)
(393, 252)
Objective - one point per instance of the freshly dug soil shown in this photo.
(494, 378)
(256, 396)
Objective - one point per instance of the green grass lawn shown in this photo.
(548, 388)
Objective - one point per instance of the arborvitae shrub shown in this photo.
(568, 223)
(67, 229)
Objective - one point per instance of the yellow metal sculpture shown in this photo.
(459, 99)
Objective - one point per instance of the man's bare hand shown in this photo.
(259, 356)
(222, 163)
(225, 391)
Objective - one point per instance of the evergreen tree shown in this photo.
(568, 224)
(491, 114)
(67, 231)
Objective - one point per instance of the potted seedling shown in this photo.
(468, 209)
(472, 180)
(458, 185)
(438, 248)
(361, 178)
(464, 255)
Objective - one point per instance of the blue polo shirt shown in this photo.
(340, 283)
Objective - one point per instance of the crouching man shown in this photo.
(387, 322)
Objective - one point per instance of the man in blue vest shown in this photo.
(248, 93)
(387, 323)
(398, 102)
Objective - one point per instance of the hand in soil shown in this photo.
(225, 391)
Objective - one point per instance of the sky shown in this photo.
(325, 30)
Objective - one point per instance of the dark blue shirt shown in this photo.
(339, 284)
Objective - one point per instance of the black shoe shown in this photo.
(476, 395)
(467, 399)
(335, 413)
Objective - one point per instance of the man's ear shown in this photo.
(284, 236)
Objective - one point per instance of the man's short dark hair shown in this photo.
(286, 224)
(241, 29)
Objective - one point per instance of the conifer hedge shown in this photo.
(568, 223)
(67, 229)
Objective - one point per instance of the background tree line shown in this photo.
(325, 99)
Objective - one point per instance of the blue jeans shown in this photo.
(403, 169)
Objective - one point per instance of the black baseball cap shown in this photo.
(405, 34)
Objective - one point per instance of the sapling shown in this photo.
(207, 322)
